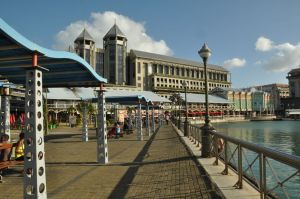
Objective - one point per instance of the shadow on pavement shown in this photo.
(122, 187)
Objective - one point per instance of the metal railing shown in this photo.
(273, 173)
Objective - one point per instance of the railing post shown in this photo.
(239, 184)
(195, 135)
(216, 152)
(85, 136)
(225, 172)
(263, 176)
(198, 134)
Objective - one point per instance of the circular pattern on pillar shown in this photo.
(39, 114)
(39, 127)
(40, 155)
(29, 156)
(29, 128)
(29, 190)
(29, 141)
(39, 93)
(41, 171)
(29, 92)
(39, 74)
(30, 82)
(31, 74)
(29, 103)
(39, 103)
(29, 115)
(39, 83)
(42, 188)
(29, 172)
(40, 140)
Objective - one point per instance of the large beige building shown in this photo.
(139, 70)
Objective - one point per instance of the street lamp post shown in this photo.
(204, 53)
(186, 129)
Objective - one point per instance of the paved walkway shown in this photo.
(157, 168)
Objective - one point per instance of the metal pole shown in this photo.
(148, 121)
(85, 135)
(140, 125)
(34, 153)
(186, 129)
(5, 113)
(206, 137)
(153, 120)
(102, 149)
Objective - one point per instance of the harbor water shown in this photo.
(283, 136)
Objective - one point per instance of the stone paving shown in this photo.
(159, 167)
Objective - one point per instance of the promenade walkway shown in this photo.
(157, 168)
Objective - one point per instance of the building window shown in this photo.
(177, 71)
(139, 85)
(139, 68)
(182, 72)
(187, 72)
(155, 68)
(166, 70)
(172, 71)
(161, 70)
(139, 78)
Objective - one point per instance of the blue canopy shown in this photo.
(65, 69)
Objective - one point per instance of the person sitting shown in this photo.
(4, 153)
(19, 152)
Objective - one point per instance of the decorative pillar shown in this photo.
(5, 113)
(153, 120)
(102, 149)
(34, 154)
(139, 134)
(148, 121)
(85, 133)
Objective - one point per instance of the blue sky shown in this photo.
(258, 41)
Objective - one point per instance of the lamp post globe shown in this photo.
(205, 53)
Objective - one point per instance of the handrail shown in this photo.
(263, 154)
(291, 160)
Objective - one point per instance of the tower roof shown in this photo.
(114, 31)
(84, 35)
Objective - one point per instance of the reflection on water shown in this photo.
(279, 135)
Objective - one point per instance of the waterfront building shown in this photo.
(277, 93)
(293, 101)
(241, 99)
(144, 71)
(246, 101)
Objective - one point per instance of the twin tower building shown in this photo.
(139, 70)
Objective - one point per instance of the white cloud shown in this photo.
(234, 63)
(263, 44)
(286, 56)
(99, 25)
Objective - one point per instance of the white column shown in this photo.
(85, 134)
(34, 154)
(102, 149)
(153, 119)
(139, 124)
(5, 114)
(148, 121)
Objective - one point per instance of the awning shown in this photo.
(65, 69)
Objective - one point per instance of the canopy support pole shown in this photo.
(140, 124)
(85, 133)
(153, 120)
(148, 121)
(5, 113)
(34, 153)
(102, 149)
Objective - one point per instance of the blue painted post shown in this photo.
(148, 121)
(85, 136)
(139, 123)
